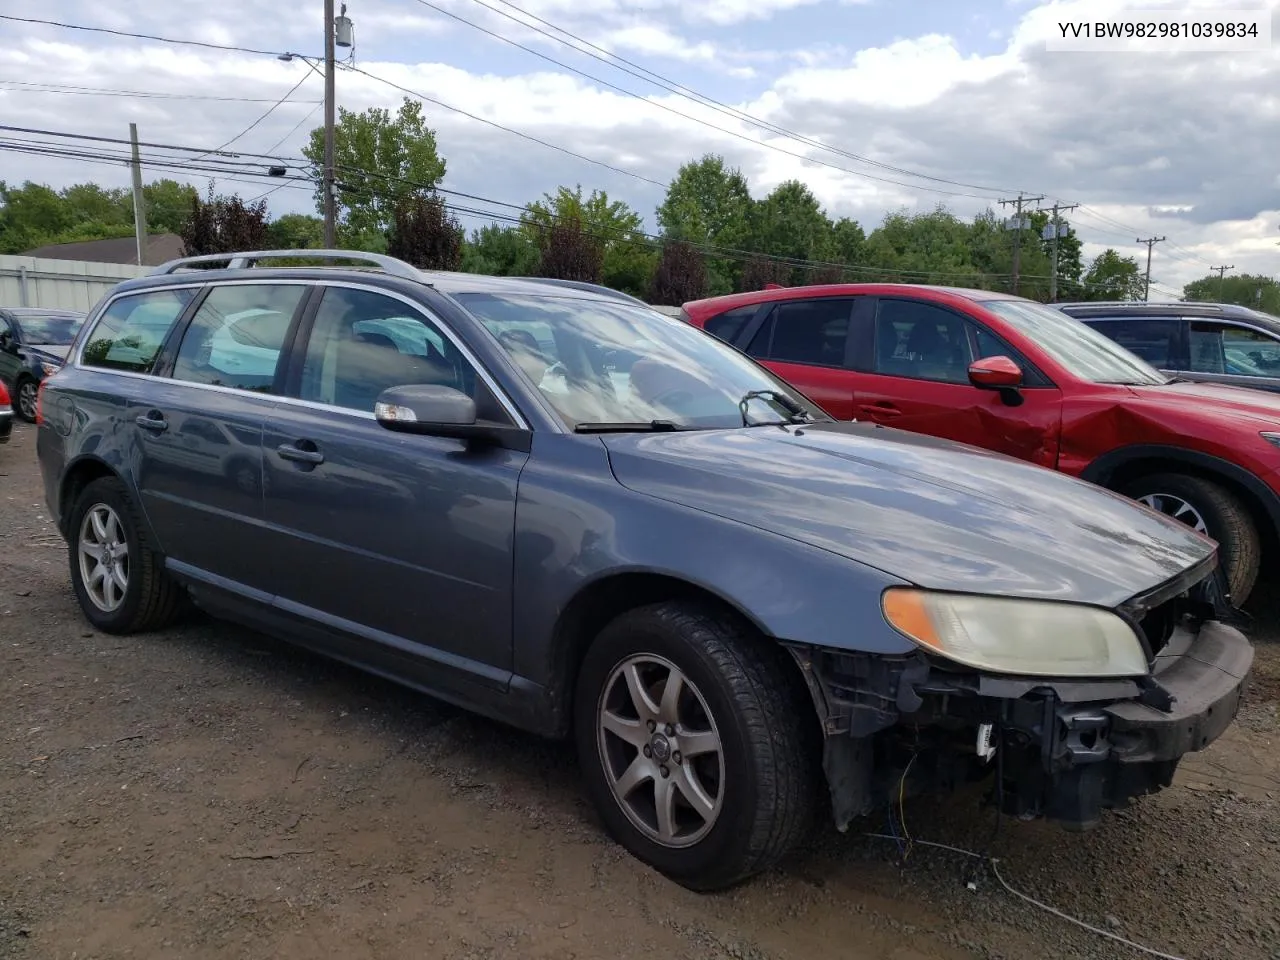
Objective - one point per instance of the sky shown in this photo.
(878, 105)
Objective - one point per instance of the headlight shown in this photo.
(1271, 438)
(1029, 637)
(49, 368)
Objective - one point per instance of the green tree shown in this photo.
(1112, 277)
(296, 231)
(627, 258)
(936, 247)
(1245, 289)
(790, 223)
(379, 160)
(168, 203)
(31, 215)
(500, 252)
(708, 203)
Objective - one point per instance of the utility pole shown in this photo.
(1146, 295)
(326, 178)
(1017, 236)
(1056, 227)
(139, 202)
(1222, 278)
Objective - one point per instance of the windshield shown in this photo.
(1079, 348)
(59, 329)
(608, 362)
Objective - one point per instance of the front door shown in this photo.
(919, 380)
(398, 540)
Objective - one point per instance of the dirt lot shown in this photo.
(212, 793)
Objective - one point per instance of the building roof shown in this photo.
(160, 247)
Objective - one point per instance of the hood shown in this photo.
(934, 513)
(56, 352)
(1245, 404)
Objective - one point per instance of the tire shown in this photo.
(1225, 518)
(150, 599)
(32, 388)
(764, 781)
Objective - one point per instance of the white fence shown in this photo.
(61, 284)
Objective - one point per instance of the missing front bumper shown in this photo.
(1065, 750)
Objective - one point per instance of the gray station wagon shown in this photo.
(560, 508)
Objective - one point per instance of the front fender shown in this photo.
(576, 525)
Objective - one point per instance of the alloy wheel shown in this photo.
(27, 400)
(103, 553)
(1176, 507)
(661, 751)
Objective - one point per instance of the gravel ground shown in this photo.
(207, 792)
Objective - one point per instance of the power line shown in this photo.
(141, 36)
(688, 93)
(73, 89)
(264, 116)
(670, 109)
(276, 146)
(1222, 278)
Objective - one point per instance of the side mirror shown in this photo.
(437, 411)
(998, 373)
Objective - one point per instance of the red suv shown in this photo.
(1024, 379)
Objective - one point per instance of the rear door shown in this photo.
(200, 429)
(916, 377)
(398, 544)
(807, 343)
(1160, 341)
(1233, 353)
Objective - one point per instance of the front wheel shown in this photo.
(1211, 509)
(694, 746)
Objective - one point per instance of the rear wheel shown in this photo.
(24, 399)
(1211, 509)
(119, 580)
(693, 744)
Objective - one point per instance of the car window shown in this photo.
(237, 334)
(1220, 348)
(52, 329)
(130, 333)
(805, 331)
(604, 361)
(918, 340)
(730, 324)
(363, 342)
(1151, 338)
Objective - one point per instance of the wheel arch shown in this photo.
(598, 602)
(1118, 467)
(78, 475)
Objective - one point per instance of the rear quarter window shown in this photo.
(129, 334)
(728, 326)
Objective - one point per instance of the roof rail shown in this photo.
(587, 285)
(239, 261)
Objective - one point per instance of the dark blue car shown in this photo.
(555, 506)
(33, 344)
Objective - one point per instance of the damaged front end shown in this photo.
(1061, 748)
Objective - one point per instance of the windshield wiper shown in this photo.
(797, 412)
(639, 426)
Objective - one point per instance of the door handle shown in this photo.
(882, 408)
(153, 421)
(299, 454)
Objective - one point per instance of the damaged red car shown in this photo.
(1026, 380)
